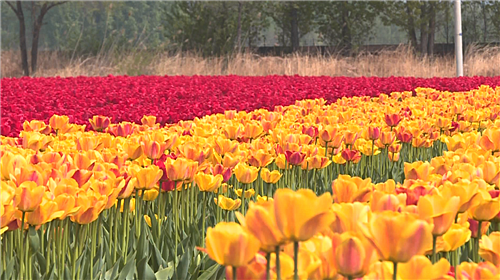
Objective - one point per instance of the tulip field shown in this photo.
(250, 178)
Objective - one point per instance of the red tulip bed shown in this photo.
(171, 99)
(233, 178)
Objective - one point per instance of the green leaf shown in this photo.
(165, 273)
(156, 257)
(33, 239)
(9, 269)
(207, 274)
(51, 274)
(112, 274)
(129, 268)
(42, 263)
(144, 271)
(182, 268)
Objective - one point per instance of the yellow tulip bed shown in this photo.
(400, 186)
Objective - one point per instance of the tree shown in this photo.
(293, 20)
(345, 23)
(37, 21)
(213, 28)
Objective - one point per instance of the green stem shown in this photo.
(126, 209)
(203, 218)
(268, 266)
(21, 256)
(476, 251)
(296, 260)
(278, 264)
(395, 271)
(434, 240)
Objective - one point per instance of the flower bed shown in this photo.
(172, 99)
(320, 191)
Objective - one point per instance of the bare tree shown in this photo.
(37, 22)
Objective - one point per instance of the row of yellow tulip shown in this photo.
(127, 171)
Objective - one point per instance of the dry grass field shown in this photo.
(402, 62)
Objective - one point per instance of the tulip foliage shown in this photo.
(398, 186)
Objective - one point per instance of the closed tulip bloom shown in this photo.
(351, 155)
(253, 130)
(329, 133)
(271, 177)
(229, 244)
(227, 203)
(99, 123)
(301, 214)
(179, 169)
(392, 119)
(150, 195)
(398, 237)
(383, 201)
(148, 177)
(417, 170)
(373, 133)
(28, 196)
(350, 189)
(59, 122)
(455, 237)
(207, 182)
(466, 190)
(442, 210)
(294, 158)
(386, 138)
(260, 221)
(246, 174)
(491, 172)
(420, 267)
(489, 248)
(354, 256)
(89, 214)
(153, 149)
(255, 269)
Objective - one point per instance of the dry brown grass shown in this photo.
(402, 62)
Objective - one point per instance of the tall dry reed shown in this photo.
(401, 62)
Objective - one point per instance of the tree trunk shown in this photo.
(239, 25)
(346, 32)
(432, 28)
(411, 27)
(485, 21)
(294, 28)
(22, 38)
(37, 26)
(423, 29)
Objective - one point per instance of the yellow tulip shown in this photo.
(208, 182)
(180, 169)
(260, 221)
(230, 245)
(301, 214)
(466, 190)
(420, 267)
(350, 189)
(148, 120)
(28, 196)
(150, 195)
(382, 201)
(491, 172)
(148, 177)
(260, 158)
(398, 237)
(487, 208)
(441, 209)
(248, 193)
(417, 170)
(489, 248)
(264, 198)
(227, 203)
(455, 237)
(132, 149)
(246, 174)
(271, 177)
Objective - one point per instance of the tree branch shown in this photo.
(13, 8)
(55, 4)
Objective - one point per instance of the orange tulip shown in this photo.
(260, 221)
(354, 256)
(260, 158)
(246, 174)
(442, 210)
(148, 177)
(44, 213)
(301, 214)
(152, 149)
(348, 216)
(100, 123)
(487, 208)
(350, 189)
(417, 170)
(230, 245)
(148, 120)
(420, 267)
(474, 271)
(398, 237)
(490, 140)
(28, 196)
(256, 269)
(180, 169)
